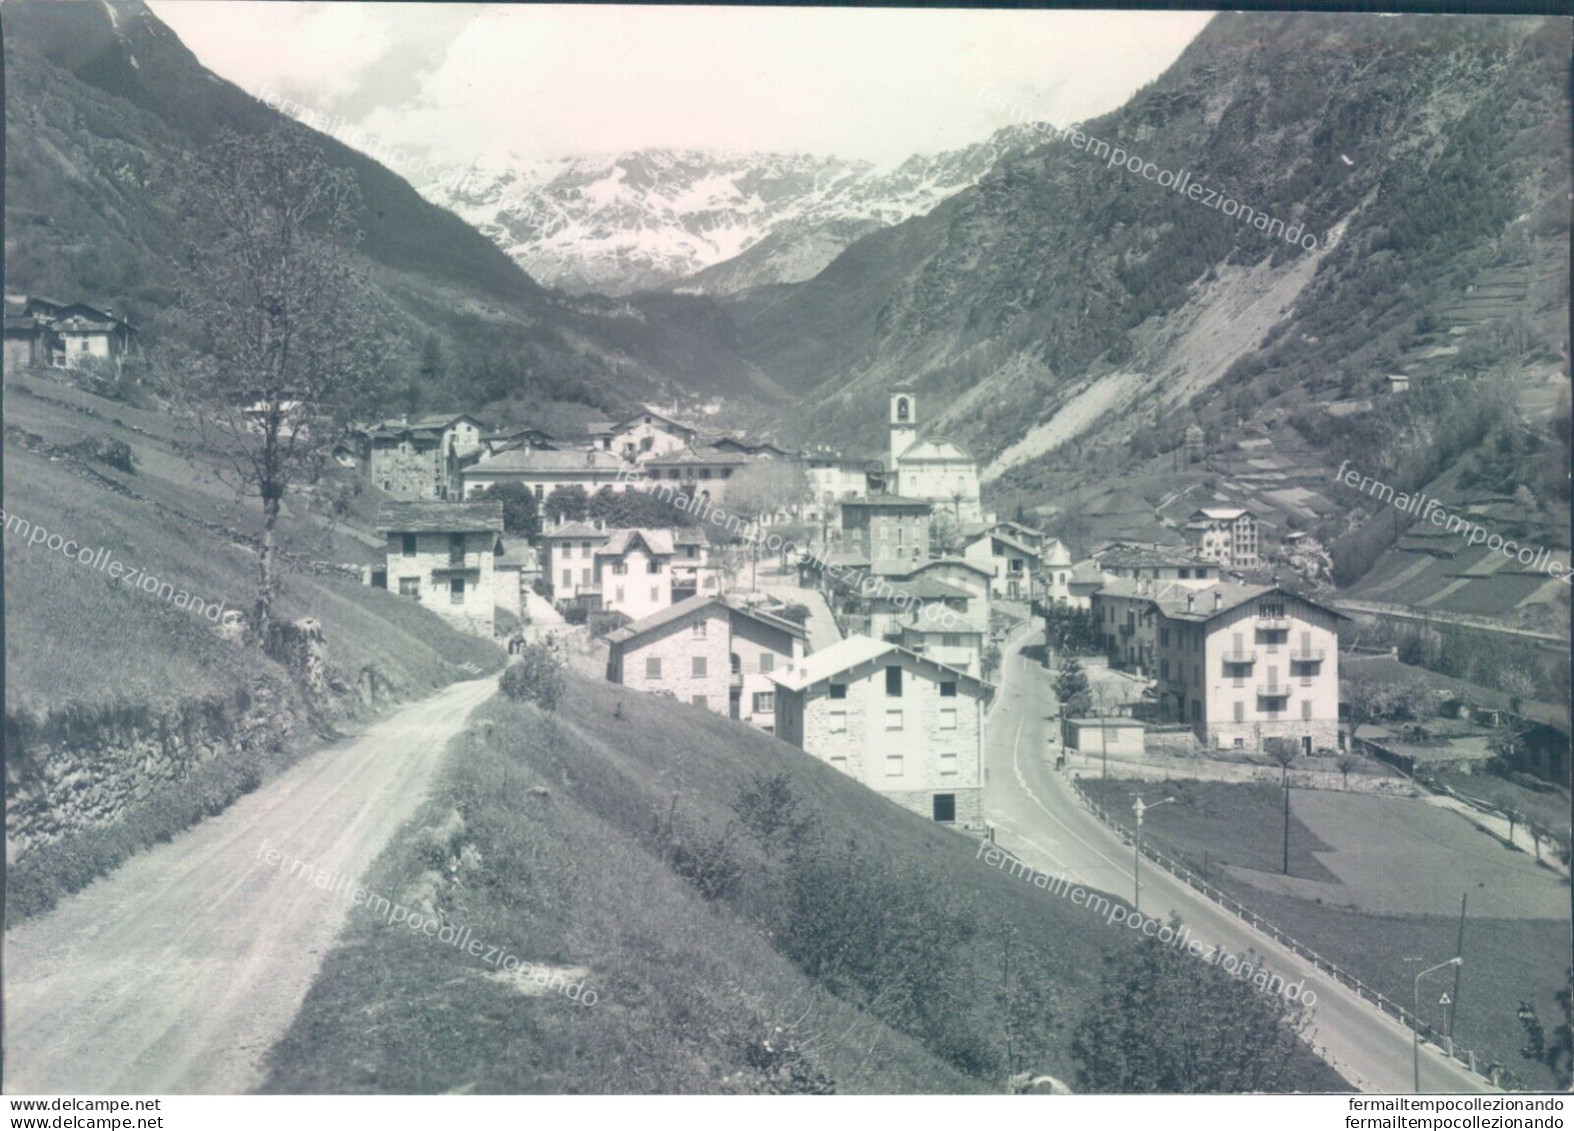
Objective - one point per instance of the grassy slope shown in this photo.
(686, 987)
(77, 647)
(1507, 959)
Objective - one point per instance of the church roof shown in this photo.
(937, 450)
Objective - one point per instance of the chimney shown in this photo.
(1191, 602)
(1218, 600)
(590, 455)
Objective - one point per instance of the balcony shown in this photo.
(1278, 691)
(1273, 624)
(1127, 629)
(1244, 656)
(1300, 655)
(459, 563)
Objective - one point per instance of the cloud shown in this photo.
(463, 82)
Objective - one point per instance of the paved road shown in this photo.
(1038, 817)
(178, 972)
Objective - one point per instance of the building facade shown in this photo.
(884, 529)
(933, 468)
(418, 457)
(1226, 535)
(442, 556)
(901, 724)
(1241, 663)
(708, 652)
(543, 471)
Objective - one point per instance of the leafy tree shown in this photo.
(945, 533)
(286, 344)
(1347, 762)
(521, 511)
(567, 504)
(637, 508)
(989, 663)
(1166, 1022)
(766, 489)
(1371, 698)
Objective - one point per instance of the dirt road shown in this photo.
(179, 971)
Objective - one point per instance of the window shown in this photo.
(1185, 573)
(947, 718)
(893, 681)
(584, 549)
(735, 664)
(619, 596)
(620, 568)
(456, 591)
(1240, 712)
(948, 763)
(893, 720)
(764, 702)
(1164, 669)
(1306, 710)
(951, 640)
(1164, 638)
(584, 576)
(838, 721)
(1272, 610)
(568, 578)
(945, 807)
(701, 627)
(540, 492)
(407, 545)
(410, 587)
(653, 566)
(893, 765)
(698, 667)
(767, 661)
(699, 701)
(838, 691)
(655, 593)
(652, 667)
(948, 689)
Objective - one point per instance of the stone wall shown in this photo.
(74, 772)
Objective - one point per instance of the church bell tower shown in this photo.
(904, 428)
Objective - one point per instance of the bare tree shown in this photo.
(284, 344)
(1346, 762)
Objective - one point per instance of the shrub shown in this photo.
(536, 677)
(709, 862)
(798, 614)
(603, 623)
(106, 450)
(575, 614)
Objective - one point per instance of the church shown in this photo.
(935, 469)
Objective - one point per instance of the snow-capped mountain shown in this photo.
(659, 219)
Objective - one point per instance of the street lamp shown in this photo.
(1136, 851)
(1415, 1026)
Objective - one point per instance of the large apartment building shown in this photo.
(1242, 663)
(1227, 535)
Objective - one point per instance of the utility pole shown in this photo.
(1459, 953)
(1415, 1015)
(1287, 820)
(1103, 735)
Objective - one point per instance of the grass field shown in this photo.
(1390, 858)
(1550, 809)
(559, 819)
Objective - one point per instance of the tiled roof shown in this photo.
(1126, 555)
(547, 461)
(619, 542)
(851, 653)
(884, 501)
(573, 530)
(683, 608)
(689, 455)
(439, 518)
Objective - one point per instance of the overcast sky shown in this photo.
(459, 82)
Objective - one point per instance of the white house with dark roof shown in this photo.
(702, 472)
(442, 555)
(646, 435)
(708, 652)
(568, 560)
(543, 471)
(898, 722)
(1014, 565)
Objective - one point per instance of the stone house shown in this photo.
(442, 555)
(43, 333)
(420, 457)
(896, 721)
(710, 652)
(884, 529)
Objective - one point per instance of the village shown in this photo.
(859, 608)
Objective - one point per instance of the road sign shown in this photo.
(1445, 999)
